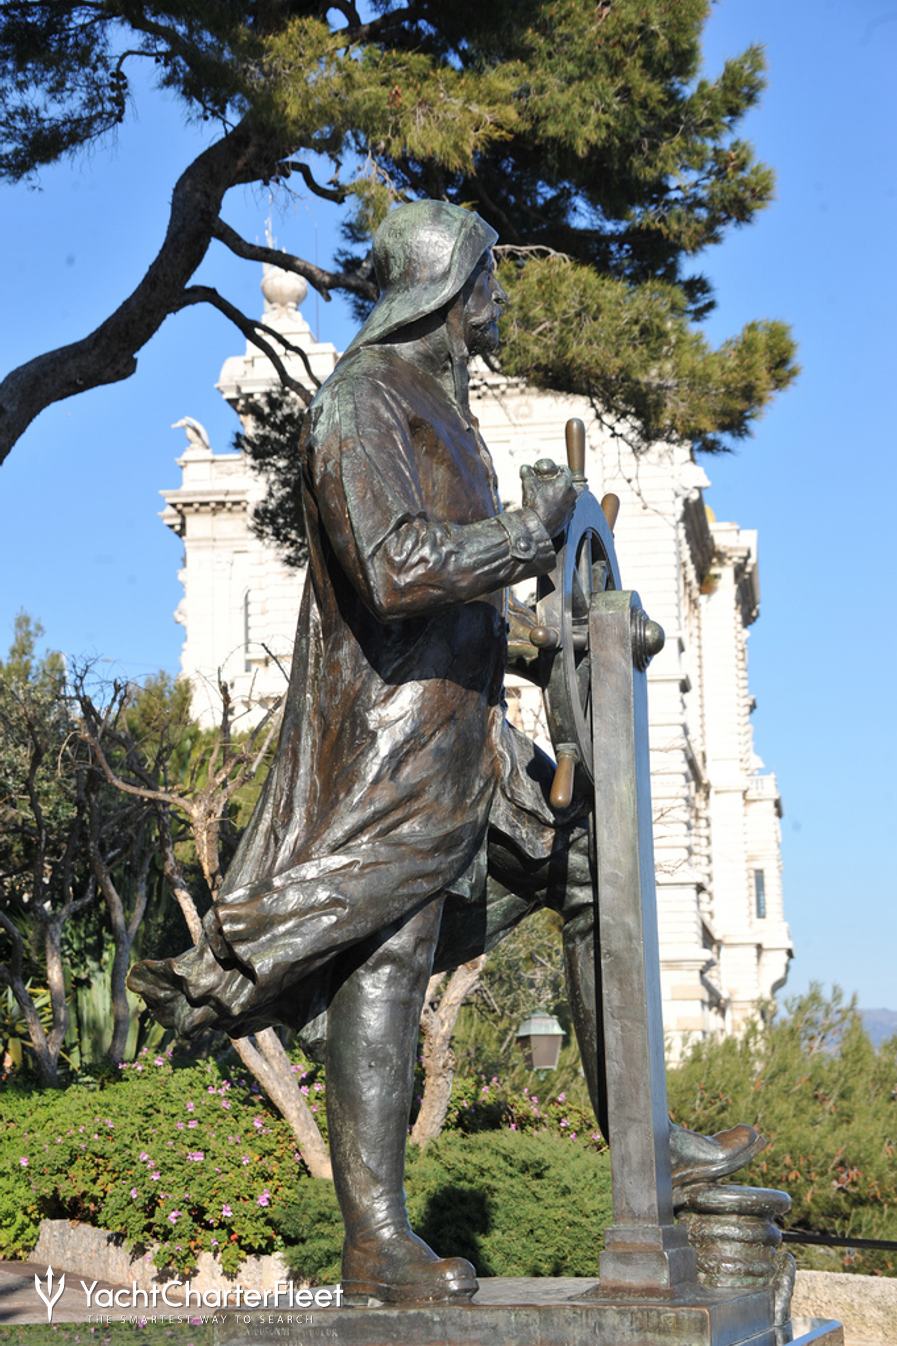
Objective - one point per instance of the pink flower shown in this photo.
(513, 1126)
(174, 1216)
(24, 1161)
(143, 1156)
(265, 1198)
(562, 1098)
(159, 1061)
(192, 1122)
(156, 1175)
(196, 1155)
(189, 1106)
(244, 1159)
(225, 1102)
(134, 1193)
(226, 1211)
(258, 1123)
(179, 1126)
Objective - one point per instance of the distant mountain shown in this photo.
(880, 1024)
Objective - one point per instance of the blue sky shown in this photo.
(82, 548)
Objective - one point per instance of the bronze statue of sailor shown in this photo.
(405, 824)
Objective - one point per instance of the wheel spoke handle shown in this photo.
(561, 794)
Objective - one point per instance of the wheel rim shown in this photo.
(586, 564)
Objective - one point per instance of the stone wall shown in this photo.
(95, 1254)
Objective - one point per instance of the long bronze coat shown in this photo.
(394, 752)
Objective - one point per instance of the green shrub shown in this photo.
(516, 1205)
(115, 1334)
(487, 1105)
(189, 1159)
(827, 1102)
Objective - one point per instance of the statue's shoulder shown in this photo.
(366, 381)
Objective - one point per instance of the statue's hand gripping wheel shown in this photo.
(586, 565)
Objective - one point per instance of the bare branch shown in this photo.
(126, 787)
(274, 659)
(321, 280)
(175, 876)
(108, 353)
(252, 329)
(348, 10)
(337, 194)
(380, 27)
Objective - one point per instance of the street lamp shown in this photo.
(540, 1036)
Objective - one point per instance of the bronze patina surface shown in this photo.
(405, 825)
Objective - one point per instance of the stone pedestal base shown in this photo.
(702, 1318)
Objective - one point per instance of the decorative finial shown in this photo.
(283, 290)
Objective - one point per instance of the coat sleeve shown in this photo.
(403, 561)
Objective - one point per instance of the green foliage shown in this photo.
(515, 1205)
(583, 133)
(116, 1334)
(479, 1105)
(272, 425)
(578, 331)
(826, 1101)
(34, 725)
(190, 1159)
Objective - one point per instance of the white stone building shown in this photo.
(724, 942)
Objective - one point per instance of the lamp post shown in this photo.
(540, 1035)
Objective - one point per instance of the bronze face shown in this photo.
(484, 300)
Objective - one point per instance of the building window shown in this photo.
(247, 666)
(760, 894)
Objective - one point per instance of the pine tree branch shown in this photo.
(380, 27)
(320, 279)
(252, 330)
(337, 194)
(109, 353)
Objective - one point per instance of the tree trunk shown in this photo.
(56, 984)
(438, 1027)
(269, 1064)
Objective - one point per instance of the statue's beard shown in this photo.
(483, 338)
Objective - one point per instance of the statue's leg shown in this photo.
(562, 880)
(536, 859)
(371, 1046)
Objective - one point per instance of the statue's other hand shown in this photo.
(548, 490)
(521, 620)
(523, 655)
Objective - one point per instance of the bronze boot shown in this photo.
(371, 1045)
(697, 1158)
